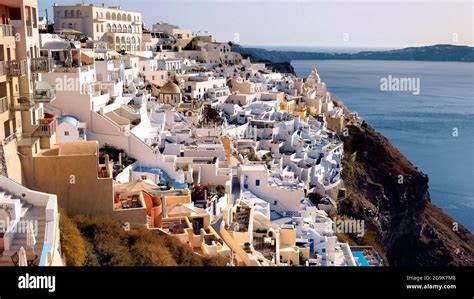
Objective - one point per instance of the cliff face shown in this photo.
(391, 195)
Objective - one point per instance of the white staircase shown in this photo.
(28, 213)
(24, 205)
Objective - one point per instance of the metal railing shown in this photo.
(46, 127)
(16, 67)
(42, 64)
(21, 102)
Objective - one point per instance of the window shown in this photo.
(143, 177)
(6, 128)
(257, 183)
(66, 133)
(34, 17)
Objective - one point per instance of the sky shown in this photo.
(311, 23)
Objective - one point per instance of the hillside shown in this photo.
(102, 241)
(426, 53)
(411, 230)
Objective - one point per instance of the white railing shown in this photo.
(7, 30)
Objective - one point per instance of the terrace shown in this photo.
(128, 201)
(366, 256)
(42, 65)
(265, 245)
(241, 219)
(175, 225)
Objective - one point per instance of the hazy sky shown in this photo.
(313, 23)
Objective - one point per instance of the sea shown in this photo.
(434, 128)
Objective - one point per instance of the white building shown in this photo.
(119, 29)
(198, 87)
(71, 129)
(172, 30)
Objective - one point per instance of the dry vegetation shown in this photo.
(101, 241)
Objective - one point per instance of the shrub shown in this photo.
(149, 250)
(106, 243)
(73, 245)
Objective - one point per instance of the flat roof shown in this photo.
(78, 148)
(254, 167)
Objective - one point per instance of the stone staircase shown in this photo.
(28, 213)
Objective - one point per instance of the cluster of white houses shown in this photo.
(170, 130)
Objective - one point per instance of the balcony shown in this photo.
(3, 104)
(16, 68)
(8, 139)
(22, 102)
(44, 93)
(7, 30)
(94, 89)
(46, 128)
(42, 65)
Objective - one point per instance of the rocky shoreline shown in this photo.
(392, 196)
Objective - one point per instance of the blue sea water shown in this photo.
(420, 126)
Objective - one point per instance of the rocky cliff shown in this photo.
(392, 196)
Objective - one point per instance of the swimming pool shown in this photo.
(362, 260)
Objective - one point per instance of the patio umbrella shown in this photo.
(140, 185)
(68, 32)
(181, 209)
(22, 260)
(30, 236)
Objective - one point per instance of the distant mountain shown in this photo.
(426, 53)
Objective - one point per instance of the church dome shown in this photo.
(170, 87)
